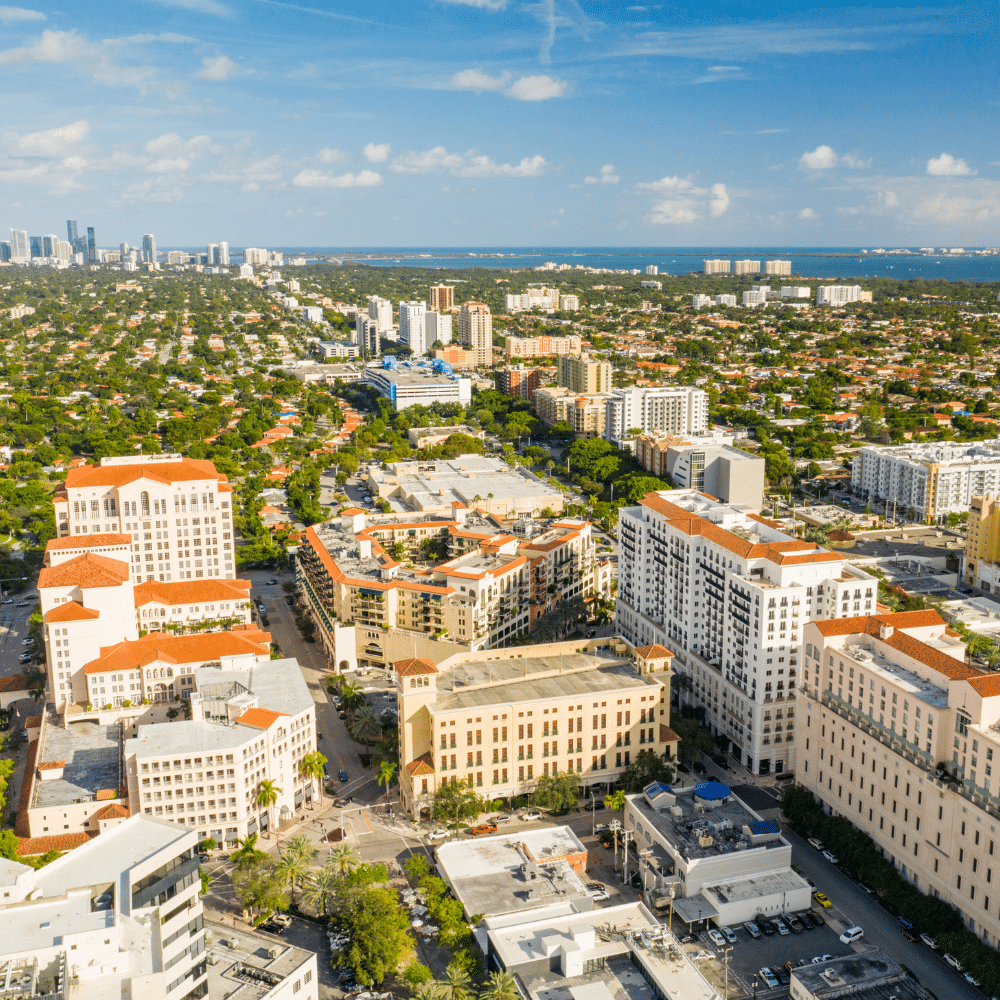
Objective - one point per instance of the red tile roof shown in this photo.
(191, 591)
(261, 718)
(73, 611)
(32, 846)
(88, 570)
(411, 667)
(16, 682)
(88, 541)
(185, 470)
(131, 655)
(424, 764)
(871, 624)
(114, 811)
(655, 651)
(987, 685)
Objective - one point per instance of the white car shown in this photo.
(438, 834)
(780, 926)
(597, 891)
(970, 978)
(851, 935)
(953, 962)
(831, 857)
(730, 935)
(716, 938)
(929, 941)
(529, 817)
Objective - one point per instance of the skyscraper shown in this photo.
(413, 326)
(212, 254)
(19, 246)
(35, 243)
(224, 254)
(475, 330)
(442, 298)
(50, 245)
(91, 245)
(72, 233)
(149, 248)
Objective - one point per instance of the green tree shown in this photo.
(455, 801)
(267, 797)
(385, 776)
(295, 862)
(557, 793)
(311, 767)
(457, 982)
(363, 726)
(322, 887)
(416, 974)
(248, 853)
(616, 800)
(343, 858)
(378, 927)
(500, 986)
(259, 887)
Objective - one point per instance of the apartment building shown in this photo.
(121, 915)
(413, 326)
(675, 410)
(442, 298)
(746, 267)
(781, 268)
(927, 481)
(516, 380)
(840, 295)
(582, 375)
(701, 301)
(716, 267)
(586, 414)
(184, 502)
(898, 734)
(500, 721)
(982, 543)
(475, 330)
(380, 310)
(542, 347)
(729, 474)
(728, 593)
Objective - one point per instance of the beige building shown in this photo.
(542, 347)
(584, 413)
(897, 733)
(582, 375)
(475, 330)
(442, 298)
(499, 722)
(982, 542)
(177, 511)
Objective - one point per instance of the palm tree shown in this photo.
(300, 845)
(267, 796)
(321, 888)
(343, 859)
(351, 695)
(429, 991)
(364, 727)
(386, 772)
(457, 983)
(294, 864)
(248, 852)
(311, 767)
(500, 986)
(616, 800)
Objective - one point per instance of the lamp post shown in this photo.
(670, 919)
(725, 962)
(754, 984)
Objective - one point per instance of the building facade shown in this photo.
(717, 266)
(542, 347)
(582, 375)
(673, 410)
(413, 326)
(982, 542)
(782, 268)
(475, 330)
(442, 298)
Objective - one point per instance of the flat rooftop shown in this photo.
(278, 685)
(754, 887)
(186, 736)
(909, 681)
(41, 925)
(850, 971)
(239, 960)
(91, 754)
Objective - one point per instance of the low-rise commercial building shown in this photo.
(409, 386)
(867, 975)
(428, 437)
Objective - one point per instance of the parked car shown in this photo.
(780, 926)
(23, 604)
(816, 844)
(808, 920)
(970, 978)
(764, 924)
(439, 834)
(281, 918)
(822, 899)
(752, 929)
(7, 600)
(271, 583)
(597, 891)
(341, 714)
(716, 938)
(769, 978)
(27, 641)
(597, 805)
(781, 975)
(851, 935)
(25, 657)
(501, 818)
(528, 817)
(794, 924)
(601, 827)
(730, 935)
(953, 962)
(831, 857)
(865, 888)
(929, 941)
(483, 829)
(271, 926)
(819, 959)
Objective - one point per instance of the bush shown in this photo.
(416, 974)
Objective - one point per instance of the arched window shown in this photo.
(144, 503)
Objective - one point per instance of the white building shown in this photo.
(837, 295)
(413, 326)
(796, 292)
(725, 300)
(932, 480)
(366, 335)
(381, 311)
(406, 386)
(780, 268)
(256, 257)
(700, 301)
(177, 510)
(717, 267)
(438, 326)
(652, 269)
(246, 270)
(312, 314)
(728, 592)
(746, 267)
(475, 330)
(569, 303)
(651, 284)
(671, 409)
(754, 297)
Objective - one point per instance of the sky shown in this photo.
(434, 123)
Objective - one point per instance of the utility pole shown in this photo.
(725, 962)
(626, 836)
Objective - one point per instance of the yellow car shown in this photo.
(822, 900)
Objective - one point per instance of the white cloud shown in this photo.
(607, 176)
(50, 142)
(947, 165)
(477, 80)
(807, 213)
(332, 156)
(666, 184)
(821, 158)
(171, 144)
(482, 4)
(8, 14)
(687, 201)
(538, 88)
(219, 68)
(148, 38)
(318, 179)
(674, 211)
(725, 69)
(377, 153)
(158, 189)
(199, 6)
(720, 201)
(250, 186)
(438, 160)
(52, 47)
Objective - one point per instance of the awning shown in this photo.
(298, 798)
(309, 793)
(251, 826)
(263, 820)
(691, 908)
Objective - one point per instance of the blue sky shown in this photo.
(502, 122)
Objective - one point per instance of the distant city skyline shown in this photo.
(563, 122)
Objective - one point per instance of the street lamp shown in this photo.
(755, 985)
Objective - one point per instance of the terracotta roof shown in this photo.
(114, 811)
(870, 624)
(87, 570)
(655, 651)
(261, 718)
(352, 510)
(50, 765)
(667, 735)
(31, 846)
(191, 591)
(31, 721)
(17, 682)
(131, 655)
(411, 667)
(73, 611)
(424, 764)
(87, 541)
(186, 470)
(987, 685)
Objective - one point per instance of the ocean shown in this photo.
(809, 262)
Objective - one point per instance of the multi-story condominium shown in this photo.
(405, 387)
(489, 588)
(475, 330)
(498, 723)
(20, 245)
(898, 734)
(839, 295)
(927, 481)
(536, 298)
(178, 511)
(121, 915)
(746, 267)
(982, 543)
(671, 409)
(586, 414)
(729, 593)
(700, 301)
(256, 257)
(652, 269)
(569, 303)
(716, 266)
(582, 375)
(438, 327)
(725, 300)
(542, 347)
(381, 311)
(413, 326)
(366, 335)
(516, 380)
(442, 298)
(795, 291)
(149, 249)
(778, 267)
(730, 474)
(755, 297)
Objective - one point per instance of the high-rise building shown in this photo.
(380, 310)
(584, 375)
(746, 267)
(542, 347)
(212, 254)
(35, 246)
(5, 251)
(64, 250)
(781, 268)
(413, 326)
(20, 246)
(366, 333)
(438, 327)
(837, 295)
(670, 409)
(728, 593)
(255, 256)
(91, 245)
(442, 298)
(223, 259)
(475, 330)
(700, 301)
(652, 269)
(716, 267)
(72, 233)
(755, 297)
(516, 380)
(149, 248)
(50, 245)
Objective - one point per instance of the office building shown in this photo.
(177, 511)
(652, 269)
(475, 330)
(746, 267)
(381, 311)
(722, 471)
(149, 249)
(716, 266)
(581, 375)
(781, 268)
(442, 298)
(5, 251)
(212, 253)
(728, 592)
(91, 245)
(72, 232)
(471, 717)
(366, 333)
(542, 347)
(406, 386)
(755, 297)
(35, 246)
(700, 301)
(585, 413)
(840, 295)
(438, 327)
(927, 481)
(669, 409)
(891, 699)
(50, 245)
(20, 246)
(119, 916)
(516, 380)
